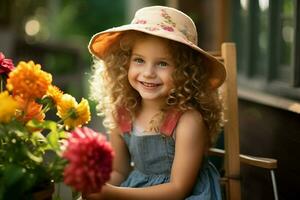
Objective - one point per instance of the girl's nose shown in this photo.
(149, 71)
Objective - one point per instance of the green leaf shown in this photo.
(15, 182)
(38, 136)
(34, 124)
(37, 159)
(50, 125)
(63, 134)
(12, 174)
(53, 139)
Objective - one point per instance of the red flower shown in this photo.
(90, 160)
(6, 65)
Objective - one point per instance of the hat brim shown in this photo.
(101, 41)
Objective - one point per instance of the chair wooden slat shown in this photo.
(262, 162)
(231, 127)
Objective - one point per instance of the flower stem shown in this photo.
(46, 108)
(1, 84)
(71, 113)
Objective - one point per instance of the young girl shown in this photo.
(158, 93)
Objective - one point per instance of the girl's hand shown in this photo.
(92, 196)
(101, 195)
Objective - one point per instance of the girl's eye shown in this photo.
(138, 60)
(162, 64)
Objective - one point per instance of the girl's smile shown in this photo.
(151, 68)
(149, 85)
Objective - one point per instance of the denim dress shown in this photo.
(152, 156)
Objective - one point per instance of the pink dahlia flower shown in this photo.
(6, 65)
(90, 160)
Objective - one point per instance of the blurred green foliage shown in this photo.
(68, 22)
(69, 17)
(86, 17)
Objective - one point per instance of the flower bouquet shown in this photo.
(36, 150)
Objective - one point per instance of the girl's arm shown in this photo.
(191, 137)
(121, 161)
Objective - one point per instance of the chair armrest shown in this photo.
(266, 163)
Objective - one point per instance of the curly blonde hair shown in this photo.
(111, 88)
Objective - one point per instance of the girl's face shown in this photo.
(151, 68)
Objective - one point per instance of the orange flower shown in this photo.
(28, 81)
(55, 93)
(30, 110)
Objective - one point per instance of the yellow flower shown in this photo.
(28, 81)
(66, 103)
(8, 107)
(83, 112)
(55, 93)
(72, 113)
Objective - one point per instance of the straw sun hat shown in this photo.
(163, 22)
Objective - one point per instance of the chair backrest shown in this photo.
(231, 151)
(231, 126)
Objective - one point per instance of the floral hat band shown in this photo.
(164, 22)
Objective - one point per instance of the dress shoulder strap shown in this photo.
(170, 122)
(167, 127)
(124, 120)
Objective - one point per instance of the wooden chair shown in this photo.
(231, 151)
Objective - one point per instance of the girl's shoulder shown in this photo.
(191, 116)
(191, 123)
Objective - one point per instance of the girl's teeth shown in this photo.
(149, 84)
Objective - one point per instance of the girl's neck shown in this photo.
(151, 105)
(147, 111)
